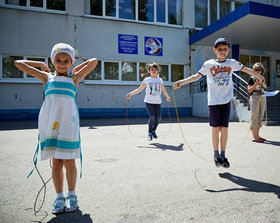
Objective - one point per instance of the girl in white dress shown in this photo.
(59, 126)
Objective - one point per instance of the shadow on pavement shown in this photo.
(164, 147)
(248, 185)
(274, 143)
(93, 123)
(72, 217)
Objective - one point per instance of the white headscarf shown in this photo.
(63, 48)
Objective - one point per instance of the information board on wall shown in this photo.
(128, 44)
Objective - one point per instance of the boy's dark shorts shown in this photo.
(219, 115)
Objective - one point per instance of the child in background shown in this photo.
(154, 86)
(220, 92)
(255, 90)
(59, 125)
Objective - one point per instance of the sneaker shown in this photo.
(150, 137)
(58, 205)
(71, 203)
(225, 163)
(218, 162)
(154, 134)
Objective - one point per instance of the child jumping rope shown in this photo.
(59, 125)
(154, 86)
(220, 92)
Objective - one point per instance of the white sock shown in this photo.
(71, 193)
(60, 195)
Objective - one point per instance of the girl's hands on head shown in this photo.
(45, 67)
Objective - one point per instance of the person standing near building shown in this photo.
(154, 86)
(220, 92)
(59, 125)
(255, 89)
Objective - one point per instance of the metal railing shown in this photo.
(240, 87)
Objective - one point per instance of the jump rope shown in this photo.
(141, 68)
(140, 136)
(44, 187)
(192, 150)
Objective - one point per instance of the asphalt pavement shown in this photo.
(128, 179)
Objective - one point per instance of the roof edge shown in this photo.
(247, 8)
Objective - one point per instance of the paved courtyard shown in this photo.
(127, 179)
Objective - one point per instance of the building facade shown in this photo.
(123, 35)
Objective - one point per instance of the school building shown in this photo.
(125, 35)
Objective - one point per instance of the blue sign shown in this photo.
(128, 44)
(153, 46)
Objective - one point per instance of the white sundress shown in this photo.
(59, 125)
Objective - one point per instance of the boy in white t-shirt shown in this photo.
(154, 86)
(220, 92)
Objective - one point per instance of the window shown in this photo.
(121, 71)
(244, 59)
(163, 72)
(160, 10)
(146, 10)
(8, 67)
(203, 8)
(266, 62)
(127, 9)
(46, 4)
(94, 6)
(201, 13)
(111, 71)
(129, 71)
(95, 74)
(145, 71)
(225, 7)
(9, 70)
(175, 12)
(238, 4)
(16, 2)
(177, 72)
(213, 11)
(157, 11)
(38, 3)
(250, 60)
(51, 66)
(111, 8)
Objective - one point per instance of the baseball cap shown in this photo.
(63, 48)
(221, 40)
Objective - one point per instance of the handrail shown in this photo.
(240, 78)
(240, 87)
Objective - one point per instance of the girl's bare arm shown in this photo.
(165, 93)
(82, 70)
(136, 91)
(30, 67)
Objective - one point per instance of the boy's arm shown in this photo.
(82, 70)
(187, 80)
(253, 73)
(251, 88)
(29, 67)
